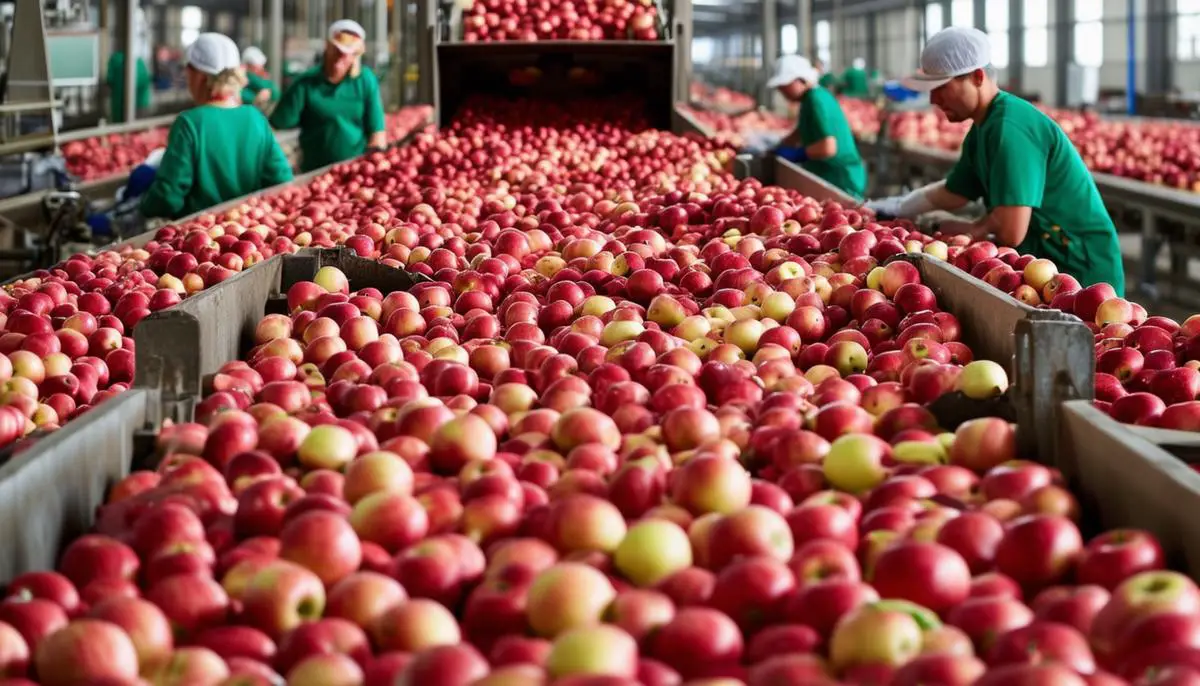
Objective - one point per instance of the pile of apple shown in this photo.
(101, 156)
(406, 120)
(1147, 368)
(424, 488)
(81, 313)
(720, 98)
(863, 116)
(648, 425)
(584, 20)
(734, 129)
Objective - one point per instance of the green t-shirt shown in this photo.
(1019, 157)
(821, 117)
(828, 81)
(256, 83)
(335, 119)
(214, 154)
(115, 77)
(855, 83)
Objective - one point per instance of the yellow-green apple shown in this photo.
(847, 357)
(364, 596)
(711, 484)
(389, 519)
(1038, 550)
(86, 650)
(599, 649)
(983, 379)
(143, 622)
(855, 462)
(281, 596)
(582, 522)
(1141, 595)
(323, 542)
(330, 669)
(415, 625)
(1116, 555)
(947, 640)
(652, 550)
(754, 530)
(327, 446)
(566, 596)
(1075, 606)
(1039, 272)
(698, 641)
(377, 471)
(875, 633)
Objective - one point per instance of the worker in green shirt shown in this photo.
(259, 90)
(219, 150)
(821, 142)
(115, 77)
(855, 83)
(828, 79)
(1040, 198)
(336, 105)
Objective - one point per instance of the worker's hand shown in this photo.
(889, 207)
(262, 98)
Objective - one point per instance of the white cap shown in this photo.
(349, 26)
(859, 63)
(254, 57)
(213, 53)
(791, 67)
(951, 52)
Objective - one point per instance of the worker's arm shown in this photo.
(1016, 175)
(287, 112)
(1008, 224)
(174, 180)
(822, 149)
(374, 123)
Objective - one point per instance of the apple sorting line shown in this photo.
(642, 423)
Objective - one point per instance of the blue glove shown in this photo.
(140, 180)
(898, 93)
(790, 154)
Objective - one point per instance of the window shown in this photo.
(191, 18)
(824, 40)
(702, 50)
(933, 20)
(1089, 33)
(1188, 40)
(789, 40)
(1037, 33)
(995, 20)
(962, 13)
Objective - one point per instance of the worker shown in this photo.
(259, 90)
(855, 82)
(219, 150)
(1040, 198)
(828, 79)
(336, 104)
(115, 78)
(821, 142)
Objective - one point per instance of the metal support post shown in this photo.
(256, 22)
(382, 54)
(1131, 62)
(804, 29)
(128, 38)
(1016, 45)
(426, 51)
(682, 34)
(770, 45)
(275, 40)
(400, 22)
